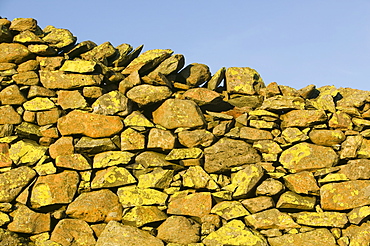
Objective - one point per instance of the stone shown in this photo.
(345, 195)
(352, 97)
(45, 169)
(72, 161)
(28, 130)
(27, 221)
(5, 160)
(139, 216)
(303, 183)
(195, 74)
(358, 215)
(321, 219)
(159, 178)
(71, 99)
(350, 146)
(137, 119)
(184, 153)
(112, 177)
(175, 113)
(48, 117)
(179, 229)
(307, 157)
(161, 139)
(253, 134)
(50, 63)
(92, 92)
(292, 200)
(111, 158)
(235, 232)
(196, 138)
(271, 219)
(9, 116)
(62, 80)
(112, 103)
(270, 187)
(11, 95)
(14, 53)
(364, 150)
(14, 181)
(27, 36)
(23, 24)
(293, 135)
(239, 100)
(88, 124)
(42, 49)
(38, 104)
(303, 118)
(327, 137)
(202, 96)
(258, 204)
(129, 82)
(169, 66)
(283, 103)
(95, 145)
(62, 146)
(230, 210)
(131, 196)
(148, 94)
(53, 189)
(124, 235)
(357, 235)
(30, 65)
(243, 80)
(96, 206)
(321, 236)
(227, 153)
(73, 232)
(198, 204)
(196, 177)
(102, 53)
(356, 169)
(58, 37)
(243, 181)
(78, 66)
(132, 140)
(26, 152)
(152, 159)
(216, 79)
(38, 91)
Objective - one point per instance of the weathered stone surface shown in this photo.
(63, 146)
(254, 134)
(131, 196)
(26, 152)
(184, 153)
(235, 232)
(196, 138)
(170, 65)
(245, 180)
(196, 177)
(197, 204)
(258, 204)
(303, 182)
(316, 237)
(327, 137)
(195, 74)
(9, 116)
(292, 200)
(48, 117)
(72, 161)
(243, 80)
(58, 37)
(112, 177)
(271, 219)
(70, 232)
(227, 153)
(148, 94)
(202, 96)
(216, 79)
(350, 146)
(179, 229)
(152, 159)
(102, 52)
(38, 104)
(54, 189)
(11, 95)
(269, 187)
(111, 158)
(112, 103)
(95, 145)
(305, 156)
(159, 178)
(5, 160)
(137, 119)
(357, 215)
(78, 66)
(96, 206)
(161, 139)
(13, 52)
(139, 216)
(357, 235)
(277, 103)
(62, 80)
(356, 169)
(71, 99)
(345, 195)
(132, 140)
(322, 219)
(340, 120)
(23, 24)
(91, 125)
(303, 118)
(230, 210)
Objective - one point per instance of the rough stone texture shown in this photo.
(243, 80)
(179, 229)
(197, 204)
(13, 52)
(62, 80)
(9, 116)
(72, 232)
(312, 238)
(112, 103)
(141, 215)
(130, 196)
(271, 219)
(148, 94)
(112, 177)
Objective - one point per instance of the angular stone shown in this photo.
(152, 159)
(78, 66)
(175, 113)
(14, 53)
(179, 229)
(112, 177)
(11, 95)
(58, 37)
(92, 92)
(111, 158)
(340, 120)
(5, 160)
(26, 78)
(159, 178)
(267, 146)
(72, 161)
(350, 146)
(96, 206)
(216, 79)
(62, 80)
(305, 156)
(124, 235)
(9, 116)
(39, 91)
(14, 181)
(327, 137)
(202, 96)
(292, 200)
(321, 236)
(102, 53)
(236, 233)
(161, 139)
(254, 134)
(54, 189)
(357, 235)
(95, 145)
(71, 99)
(28, 130)
(45, 169)
(195, 74)
(38, 104)
(184, 153)
(197, 204)
(137, 119)
(112, 103)
(129, 82)
(148, 94)
(131, 196)
(63, 146)
(258, 204)
(27, 36)
(321, 219)
(170, 65)
(271, 219)
(132, 140)
(364, 150)
(357, 215)
(196, 138)
(293, 134)
(283, 103)
(227, 153)
(73, 232)
(91, 125)
(196, 177)
(23, 24)
(245, 101)
(42, 49)
(345, 195)
(303, 118)
(142, 215)
(352, 97)
(243, 80)
(26, 152)
(27, 221)
(245, 180)
(230, 210)
(302, 182)
(356, 169)
(48, 117)
(269, 187)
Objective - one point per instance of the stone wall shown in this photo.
(103, 145)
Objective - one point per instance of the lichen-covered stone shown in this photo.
(27, 221)
(95, 145)
(112, 177)
(58, 37)
(184, 153)
(196, 177)
(202, 96)
(11, 95)
(357, 215)
(78, 66)
(137, 119)
(230, 210)
(9, 116)
(179, 229)
(112, 103)
(73, 232)
(270, 187)
(254, 134)
(148, 94)
(159, 178)
(196, 138)
(294, 201)
(258, 204)
(71, 99)
(142, 215)
(26, 152)
(62, 80)
(131, 196)
(271, 219)
(72, 161)
(197, 204)
(132, 140)
(303, 182)
(321, 219)
(111, 158)
(277, 103)
(14, 52)
(303, 118)
(327, 137)
(321, 236)
(152, 159)
(243, 80)
(161, 139)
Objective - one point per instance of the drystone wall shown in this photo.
(103, 145)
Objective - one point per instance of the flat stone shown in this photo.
(171, 65)
(227, 153)
(9, 116)
(258, 204)
(26, 152)
(39, 91)
(124, 235)
(358, 215)
(327, 137)
(54, 189)
(202, 96)
(14, 53)
(293, 135)
(235, 232)
(161, 139)
(184, 153)
(148, 94)
(88, 124)
(282, 103)
(58, 37)
(11, 95)
(321, 236)
(102, 52)
(95, 145)
(111, 158)
(270, 187)
(196, 177)
(23, 24)
(38, 104)
(137, 119)
(216, 79)
(305, 156)
(345, 195)
(243, 80)
(253, 134)
(131, 196)
(267, 146)
(62, 146)
(73, 232)
(175, 113)
(62, 80)
(179, 229)
(303, 118)
(292, 200)
(132, 140)
(340, 120)
(14, 181)
(271, 219)
(78, 66)
(159, 178)
(96, 206)
(245, 180)
(72, 161)
(321, 219)
(112, 103)
(196, 138)
(230, 210)
(303, 182)
(139, 216)
(112, 177)
(92, 91)
(71, 99)
(129, 82)
(352, 97)
(197, 204)
(364, 150)
(27, 36)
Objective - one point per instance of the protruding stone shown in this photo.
(102, 53)
(112, 103)
(142, 215)
(73, 230)
(11, 95)
(356, 169)
(283, 103)
(216, 79)
(38, 104)
(131, 196)
(152, 159)
(245, 180)
(243, 80)
(63, 146)
(357, 215)
(179, 229)
(195, 74)
(132, 140)
(253, 134)
(302, 182)
(95, 145)
(294, 201)
(137, 119)
(202, 96)
(197, 204)
(14, 53)
(269, 187)
(258, 204)
(159, 178)
(23, 24)
(78, 66)
(196, 138)
(62, 80)
(327, 137)
(111, 158)
(26, 152)
(148, 94)
(58, 37)
(196, 177)
(161, 139)
(112, 177)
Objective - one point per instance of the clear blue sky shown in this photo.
(291, 42)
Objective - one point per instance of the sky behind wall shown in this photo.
(291, 42)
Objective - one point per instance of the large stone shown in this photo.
(357, 235)
(303, 118)
(111, 158)
(245, 180)
(9, 116)
(196, 177)
(38, 104)
(148, 94)
(283, 103)
(356, 169)
(195, 74)
(243, 80)
(71, 232)
(170, 65)
(141, 215)
(112, 177)
(14, 53)
(321, 219)
(102, 53)
(131, 196)
(307, 157)
(253, 134)
(179, 229)
(269, 187)
(175, 113)
(58, 37)
(63, 146)
(327, 137)
(132, 140)
(258, 204)
(11, 95)
(271, 219)
(197, 204)
(152, 159)
(316, 237)
(303, 182)
(62, 80)
(112, 103)
(72, 161)
(88, 124)
(227, 153)
(26, 152)
(161, 139)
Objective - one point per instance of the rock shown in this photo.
(197, 204)
(71, 99)
(159, 178)
(161, 139)
(26, 152)
(54, 189)
(124, 235)
(195, 74)
(38, 104)
(72, 161)
(129, 82)
(340, 120)
(321, 236)
(176, 113)
(305, 156)
(131, 196)
(73, 232)
(356, 169)
(267, 146)
(102, 53)
(303, 118)
(364, 150)
(58, 37)
(322, 219)
(30, 131)
(112, 103)
(179, 229)
(271, 219)
(96, 206)
(11, 95)
(78, 66)
(236, 233)
(293, 135)
(92, 145)
(327, 137)
(27, 37)
(196, 177)
(345, 195)
(62, 80)
(243, 80)
(142, 215)
(23, 24)
(14, 53)
(184, 153)
(27, 221)
(62, 146)
(350, 146)
(230, 210)
(148, 94)
(92, 92)
(357, 235)
(170, 65)
(270, 187)
(38, 91)
(352, 97)
(196, 138)
(245, 180)
(202, 96)
(216, 79)
(5, 160)
(292, 200)
(91, 125)
(132, 140)
(357, 215)
(258, 204)
(303, 182)
(152, 159)
(137, 119)
(112, 177)
(253, 134)
(9, 116)
(227, 153)
(48, 117)
(111, 158)
(283, 103)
